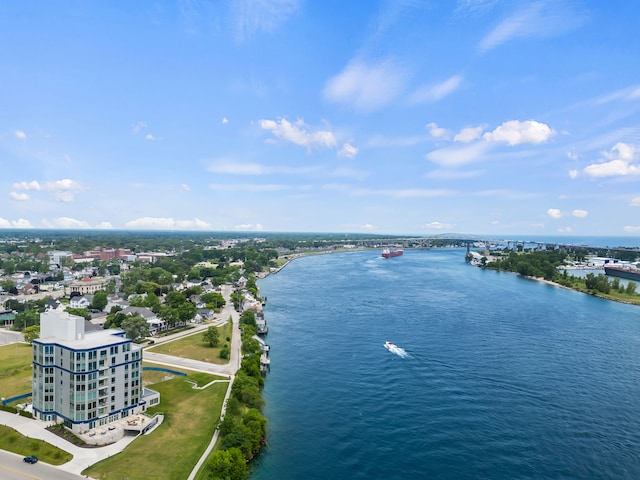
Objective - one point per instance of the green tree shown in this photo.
(213, 300)
(80, 312)
(31, 333)
(25, 319)
(7, 285)
(211, 336)
(228, 465)
(99, 301)
(135, 326)
(631, 288)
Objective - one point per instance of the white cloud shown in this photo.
(620, 163)
(612, 169)
(296, 133)
(348, 151)
(472, 6)
(104, 226)
(572, 155)
(250, 187)
(573, 173)
(366, 87)
(167, 223)
(447, 174)
(508, 194)
(184, 188)
(150, 137)
(635, 202)
(225, 120)
(437, 132)
(34, 185)
(468, 134)
(368, 227)
(62, 190)
(554, 213)
(253, 16)
(231, 167)
(234, 168)
(515, 132)
(403, 193)
(626, 94)
(138, 127)
(438, 226)
(433, 93)
(565, 230)
(579, 213)
(350, 173)
(632, 229)
(458, 155)
(19, 197)
(21, 223)
(65, 222)
(249, 227)
(20, 134)
(537, 19)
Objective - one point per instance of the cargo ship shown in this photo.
(389, 253)
(629, 273)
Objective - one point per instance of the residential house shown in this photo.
(204, 315)
(83, 301)
(52, 304)
(156, 325)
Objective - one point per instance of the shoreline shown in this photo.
(599, 295)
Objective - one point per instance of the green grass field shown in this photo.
(12, 441)
(172, 450)
(193, 347)
(15, 369)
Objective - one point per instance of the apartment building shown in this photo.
(85, 379)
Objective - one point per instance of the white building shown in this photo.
(57, 257)
(85, 379)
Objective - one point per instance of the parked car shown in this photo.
(30, 459)
(151, 342)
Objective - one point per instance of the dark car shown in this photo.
(30, 459)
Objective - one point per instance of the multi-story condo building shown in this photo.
(85, 379)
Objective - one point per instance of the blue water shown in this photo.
(506, 378)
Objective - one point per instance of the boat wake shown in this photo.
(393, 348)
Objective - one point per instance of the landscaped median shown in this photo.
(13, 441)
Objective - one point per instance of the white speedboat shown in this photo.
(393, 348)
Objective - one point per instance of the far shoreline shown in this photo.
(593, 294)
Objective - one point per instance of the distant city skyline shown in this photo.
(386, 117)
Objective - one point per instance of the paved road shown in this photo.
(13, 468)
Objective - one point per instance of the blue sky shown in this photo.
(399, 117)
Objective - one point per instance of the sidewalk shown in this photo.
(82, 457)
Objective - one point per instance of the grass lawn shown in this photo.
(15, 369)
(193, 347)
(172, 450)
(150, 377)
(15, 442)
